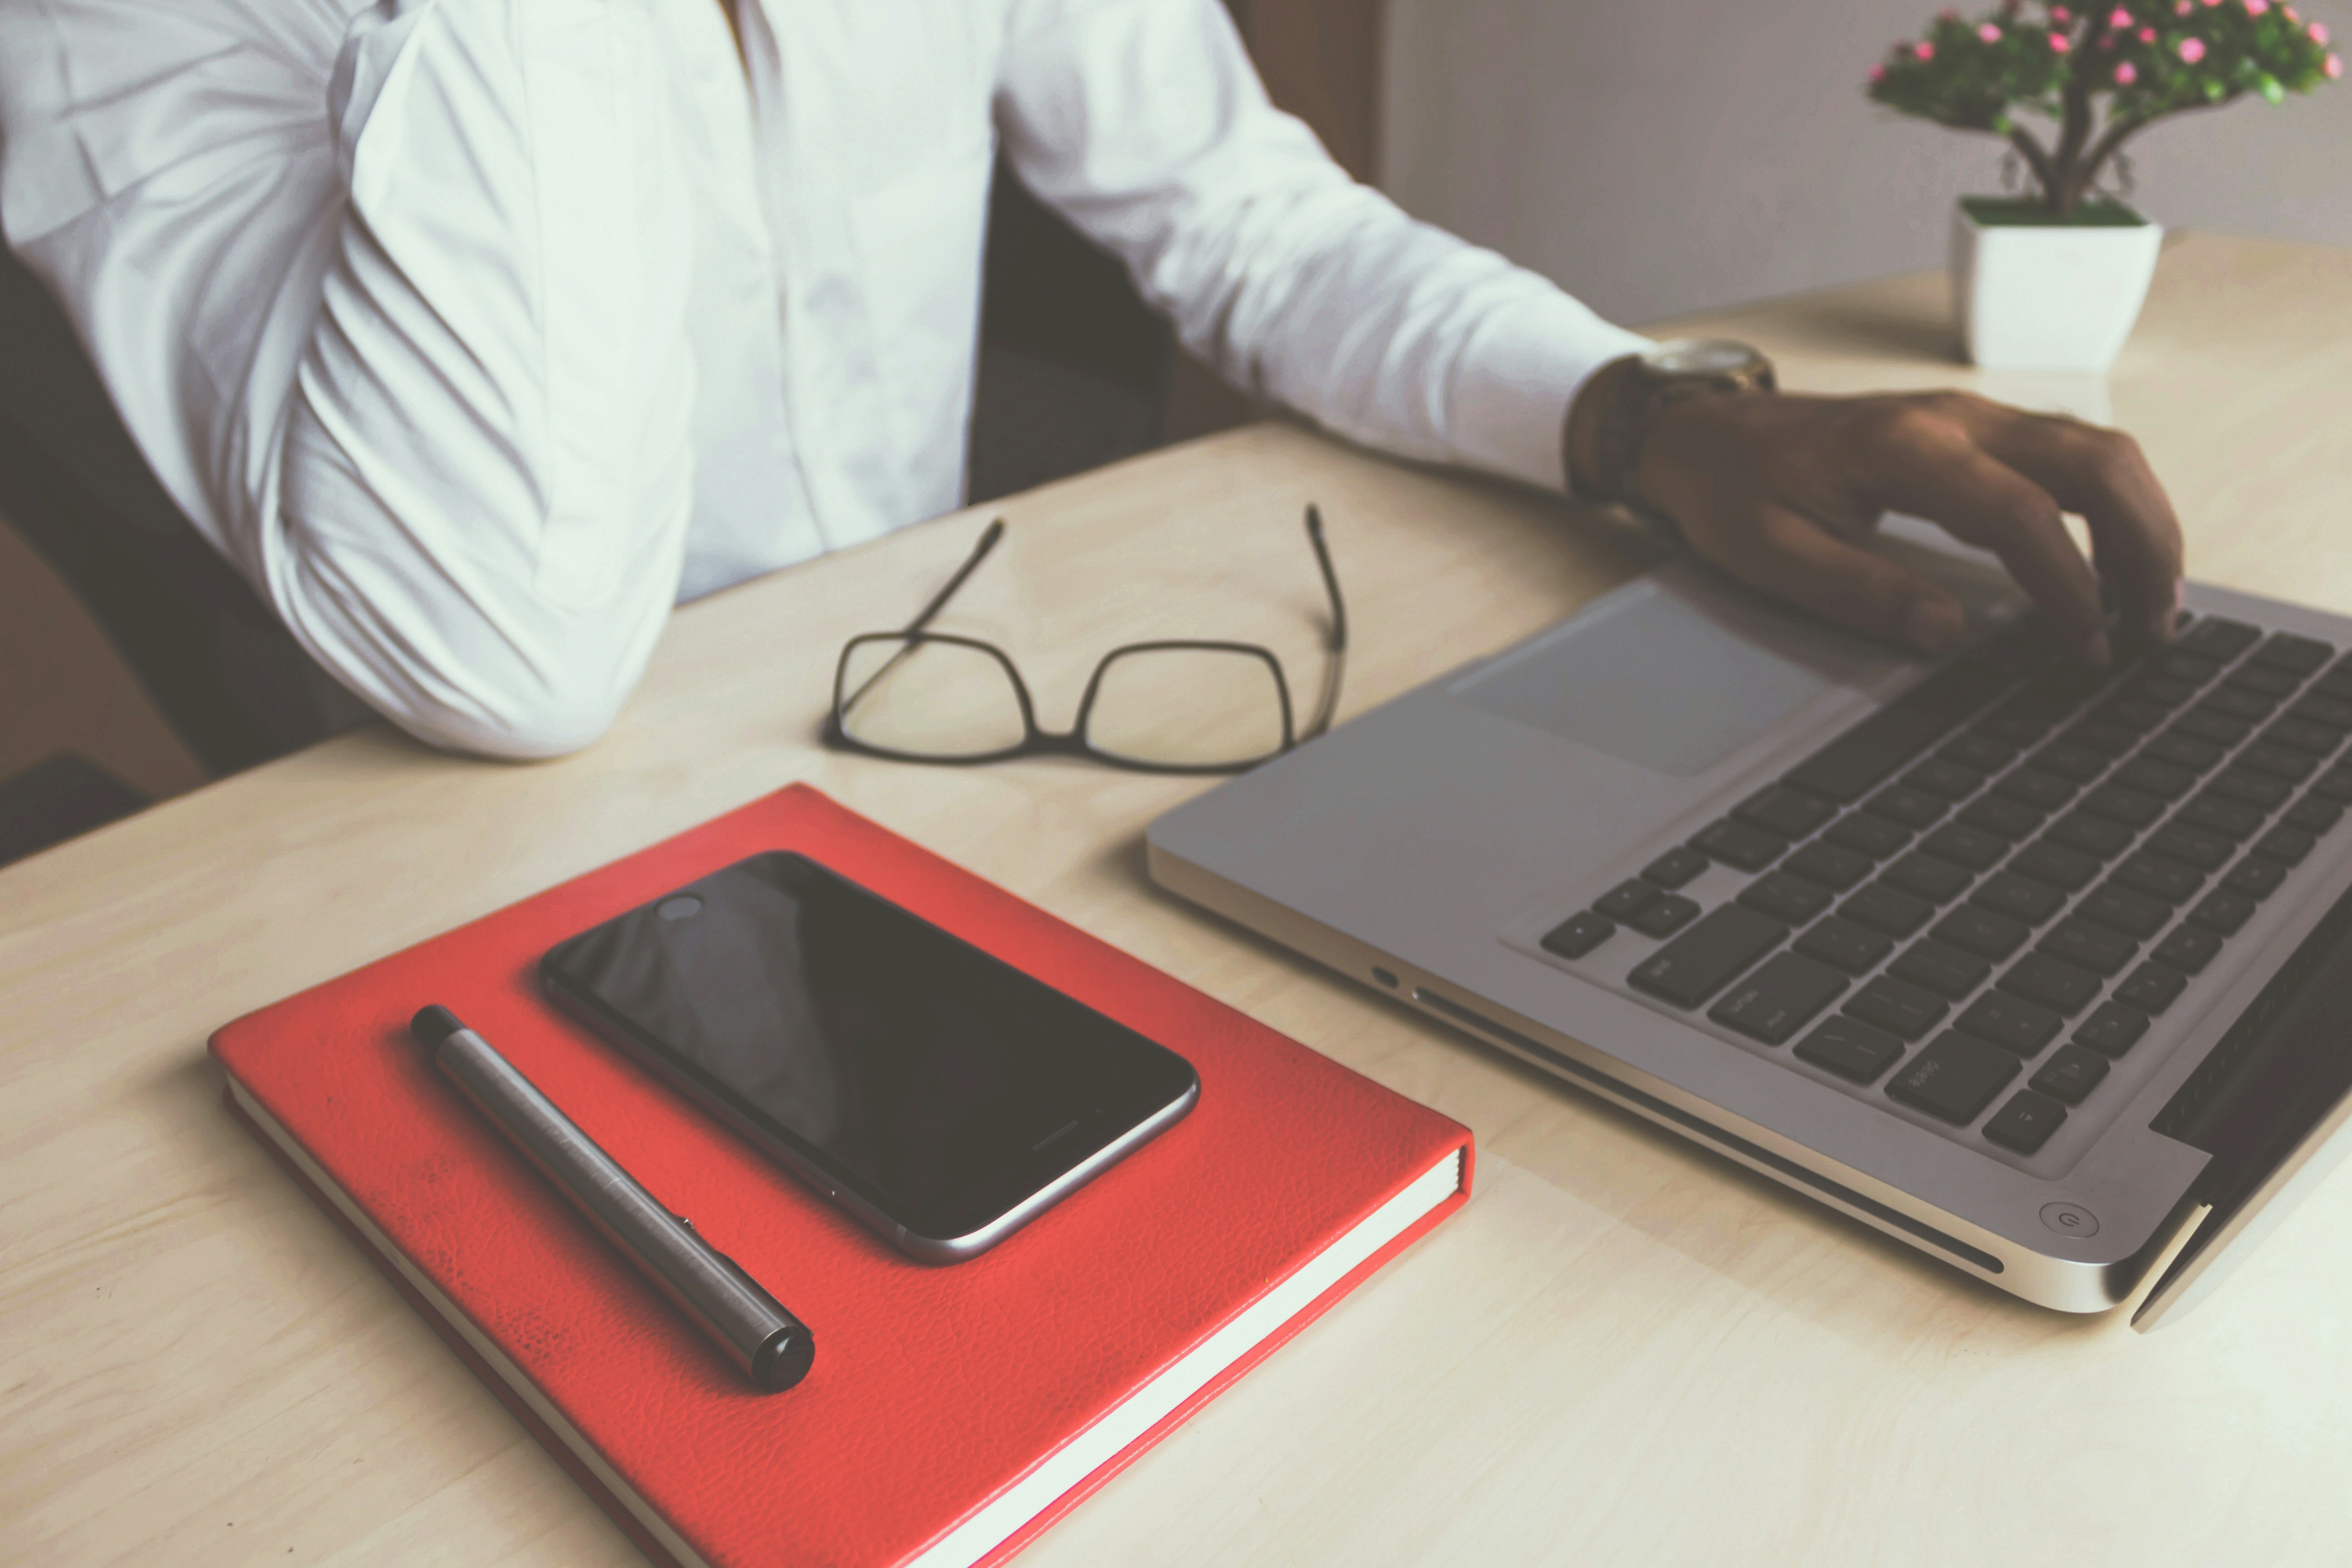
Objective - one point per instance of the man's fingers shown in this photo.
(1788, 556)
(2100, 475)
(1925, 463)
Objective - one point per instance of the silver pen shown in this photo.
(767, 1343)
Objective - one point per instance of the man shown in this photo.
(476, 333)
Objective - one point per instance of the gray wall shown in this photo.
(1656, 157)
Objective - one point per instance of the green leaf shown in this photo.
(2269, 86)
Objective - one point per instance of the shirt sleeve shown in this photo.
(393, 305)
(1143, 123)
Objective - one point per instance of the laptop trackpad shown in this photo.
(1672, 676)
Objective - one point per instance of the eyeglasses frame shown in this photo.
(1037, 740)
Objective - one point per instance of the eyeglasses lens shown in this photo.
(1186, 708)
(929, 699)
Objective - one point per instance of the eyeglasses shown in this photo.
(1182, 706)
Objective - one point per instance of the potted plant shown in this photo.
(2053, 280)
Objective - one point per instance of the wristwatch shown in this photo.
(1638, 386)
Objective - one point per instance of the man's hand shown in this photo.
(1777, 489)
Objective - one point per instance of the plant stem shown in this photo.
(2036, 157)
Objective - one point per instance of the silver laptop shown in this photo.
(2037, 970)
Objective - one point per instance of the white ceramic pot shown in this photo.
(2034, 298)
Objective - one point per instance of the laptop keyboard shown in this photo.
(2006, 873)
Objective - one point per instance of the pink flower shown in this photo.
(2334, 65)
(2212, 2)
(1988, 33)
(1923, 51)
(2060, 43)
(2256, 7)
(2147, 34)
(2319, 31)
(2182, 9)
(1877, 73)
(2192, 49)
(2126, 75)
(1948, 15)
(2059, 15)
(2119, 19)
(2288, 12)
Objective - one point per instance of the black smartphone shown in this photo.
(941, 1095)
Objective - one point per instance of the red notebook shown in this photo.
(952, 1412)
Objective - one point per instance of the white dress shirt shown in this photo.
(476, 333)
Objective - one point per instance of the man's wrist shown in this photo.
(1612, 417)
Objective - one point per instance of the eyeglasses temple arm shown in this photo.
(988, 540)
(1335, 640)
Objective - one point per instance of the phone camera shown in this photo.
(679, 909)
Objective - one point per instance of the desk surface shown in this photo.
(1624, 1349)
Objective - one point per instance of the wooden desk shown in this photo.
(1623, 1350)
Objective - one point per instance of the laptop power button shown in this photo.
(2070, 1219)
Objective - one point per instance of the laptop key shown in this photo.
(1871, 835)
(2094, 947)
(2044, 792)
(2264, 680)
(2135, 712)
(1786, 897)
(2217, 728)
(2026, 1122)
(2287, 846)
(2163, 690)
(2279, 761)
(1791, 812)
(1898, 1007)
(2313, 815)
(2189, 949)
(1938, 881)
(1947, 971)
(1984, 755)
(2131, 807)
(2109, 737)
(1982, 931)
(1626, 899)
(2079, 764)
(2236, 702)
(1949, 779)
(2112, 1028)
(2011, 819)
(2216, 638)
(2038, 978)
(1832, 865)
(1954, 1079)
(1697, 965)
(2222, 911)
(2219, 814)
(1778, 997)
(2092, 834)
(2304, 655)
(2010, 1022)
(1914, 808)
(2335, 784)
(2028, 901)
(1851, 1048)
(2151, 778)
(2318, 708)
(2152, 987)
(1965, 845)
(1852, 948)
(2255, 878)
(1674, 867)
(2125, 909)
(1890, 909)
(2055, 864)
(1664, 915)
(1578, 934)
(2317, 738)
(2180, 751)
(2011, 730)
(2192, 845)
(1739, 844)
(2193, 669)
(2159, 877)
(2253, 788)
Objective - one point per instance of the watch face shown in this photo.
(1700, 356)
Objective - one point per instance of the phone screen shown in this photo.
(940, 1084)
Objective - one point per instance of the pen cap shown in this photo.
(432, 1024)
